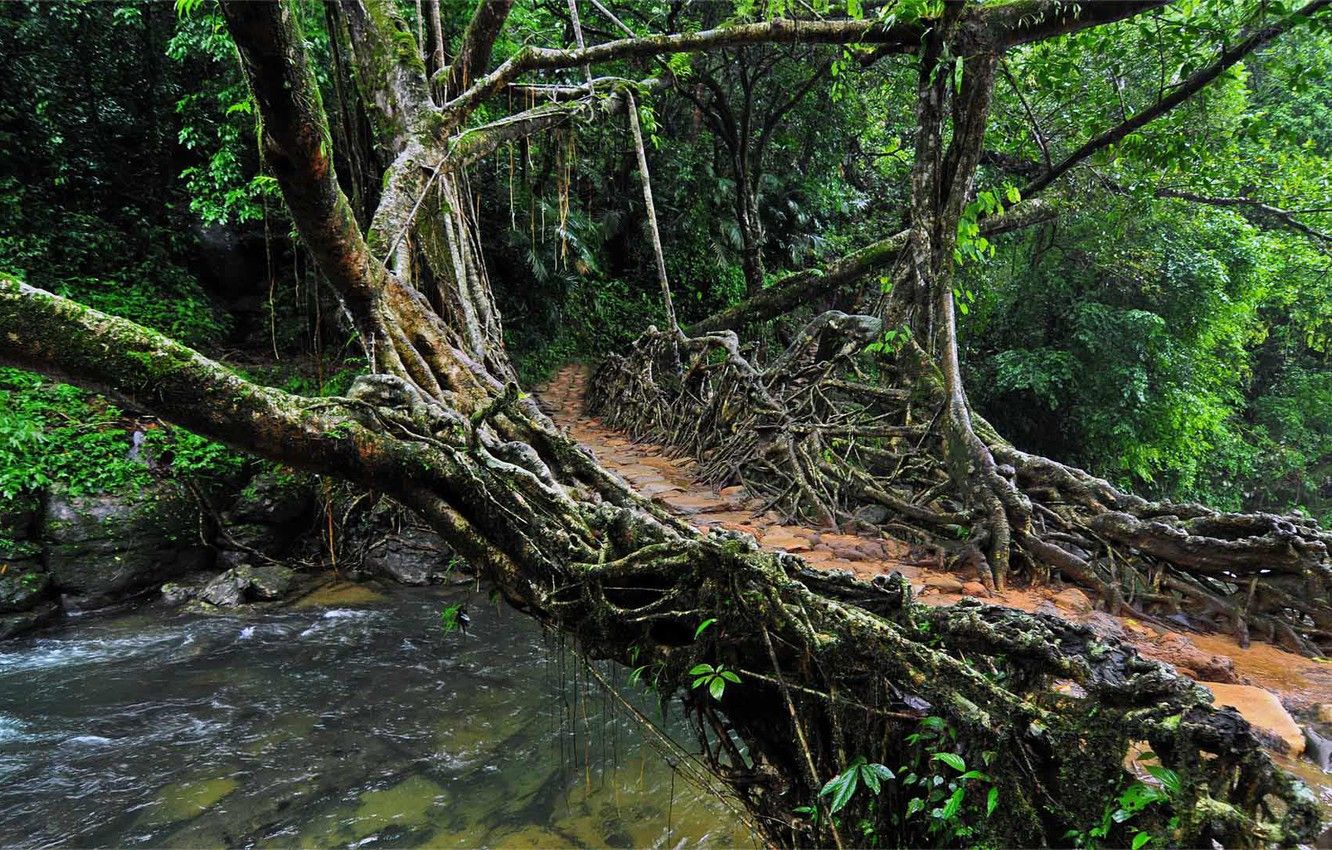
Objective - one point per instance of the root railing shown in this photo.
(832, 436)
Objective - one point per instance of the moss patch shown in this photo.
(185, 800)
(339, 594)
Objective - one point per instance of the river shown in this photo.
(352, 719)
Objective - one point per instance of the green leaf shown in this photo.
(717, 687)
(700, 669)
(729, 676)
(842, 794)
(870, 778)
(881, 771)
(703, 626)
(1141, 840)
(1013, 195)
(954, 803)
(991, 800)
(953, 760)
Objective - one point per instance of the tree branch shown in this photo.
(1185, 90)
(1284, 218)
(477, 43)
(780, 31)
(297, 147)
(796, 289)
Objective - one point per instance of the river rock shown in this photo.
(102, 548)
(22, 589)
(40, 615)
(1324, 712)
(414, 556)
(245, 584)
(1318, 749)
(1262, 709)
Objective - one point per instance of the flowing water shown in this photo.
(353, 721)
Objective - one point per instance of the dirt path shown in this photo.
(1216, 660)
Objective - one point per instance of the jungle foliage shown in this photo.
(1174, 346)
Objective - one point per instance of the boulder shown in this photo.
(269, 516)
(18, 530)
(1179, 651)
(1072, 599)
(247, 584)
(22, 589)
(976, 589)
(1318, 749)
(12, 625)
(1263, 710)
(943, 582)
(102, 548)
(414, 556)
(273, 498)
(1105, 626)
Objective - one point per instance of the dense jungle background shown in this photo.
(1141, 271)
(1176, 347)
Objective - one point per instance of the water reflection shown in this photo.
(354, 721)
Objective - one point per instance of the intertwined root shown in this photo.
(831, 437)
(826, 669)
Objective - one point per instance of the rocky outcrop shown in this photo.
(100, 549)
(26, 590)
(270, 518)
(413, 555)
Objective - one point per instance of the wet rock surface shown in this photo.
(245, 583)
(99, 549)
(412, 555)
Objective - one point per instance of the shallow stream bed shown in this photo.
(353, 721)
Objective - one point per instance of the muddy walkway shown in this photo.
(1267, 684)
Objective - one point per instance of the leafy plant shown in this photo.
(841, 788)
(713, 678)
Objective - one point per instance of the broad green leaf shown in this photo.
(953, 760)
(717, 687)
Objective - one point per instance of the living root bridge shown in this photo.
(830, 435)
(829, 669)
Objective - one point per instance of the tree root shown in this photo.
(823, 439)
